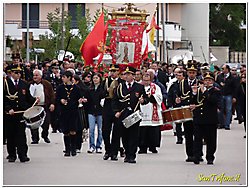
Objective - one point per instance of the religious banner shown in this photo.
(126, 41)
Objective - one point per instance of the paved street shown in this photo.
(48, 166)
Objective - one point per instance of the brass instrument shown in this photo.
(112, 88)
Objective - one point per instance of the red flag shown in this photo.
(90, 48)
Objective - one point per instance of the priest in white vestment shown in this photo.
(150, 135)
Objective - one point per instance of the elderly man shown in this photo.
(43, 89)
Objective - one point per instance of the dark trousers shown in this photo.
(116, 135)
(54, 119)
(79, 139)
(149, 137)
(179, 132)
(130, 139)
(16, 137)
(45, 127)
(108, 120)
(209, 133)
(189, 137)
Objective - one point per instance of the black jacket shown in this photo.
(93, 100)
(21, 101)
(125, 99)
(229, 87)
(207, 105)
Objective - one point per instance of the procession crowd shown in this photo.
(128, 107)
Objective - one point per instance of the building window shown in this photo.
(72, 8)
(33, 15)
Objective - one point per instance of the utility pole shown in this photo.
(167, 52)
(27, 38)
(62, 27)
(157, 31)
(4, 39)
(163, 25)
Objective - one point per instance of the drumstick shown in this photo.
(137, 104)
(18, 112)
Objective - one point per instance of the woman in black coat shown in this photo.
(68, 96)
(83, 116)
(96, 93)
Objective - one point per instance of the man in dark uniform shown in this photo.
(183, 98)
(16, 98)
(55, 79)
(109, 121)
(125, 102)
(205, 104)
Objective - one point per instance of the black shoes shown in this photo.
(153, 150)
(106, 156)
(133, 161)
(122, 153)
(114, 157)
(11, 159)
(179, 142)
(210, 162)
(74, 153)
(227, 128)
(126, 160)
(142, 151)
(24, 159)
(190, 159)
(67, 154)
(34, 142)
(46, 140)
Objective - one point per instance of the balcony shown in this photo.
(173, 32)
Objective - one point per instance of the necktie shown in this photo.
(190, 82)
(129, 86)
(16, 84)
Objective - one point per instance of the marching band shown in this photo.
(126, 105)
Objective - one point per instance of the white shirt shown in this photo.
(127, 84)
(12, 79)
(37, 90)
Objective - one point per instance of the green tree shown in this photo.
(225, 22)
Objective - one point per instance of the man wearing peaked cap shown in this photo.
(192, 65)
(131, 70)
(206, 102)
(16, 98)
(114, 67)
(183, 98)
(126, 101)
(110, 130)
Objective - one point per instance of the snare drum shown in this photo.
(34, 117)
(177, 115)
(132, 119)
(187, 113)
(167, 118)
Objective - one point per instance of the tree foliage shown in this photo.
(225, 22)
(52, 43)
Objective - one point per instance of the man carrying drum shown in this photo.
(17, 99)
(183, 97)
(125, 102)
(205, 106)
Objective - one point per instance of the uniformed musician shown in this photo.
(17, 98)
(126, 101)
(109, 120)
(205, 105)
(183, 98)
